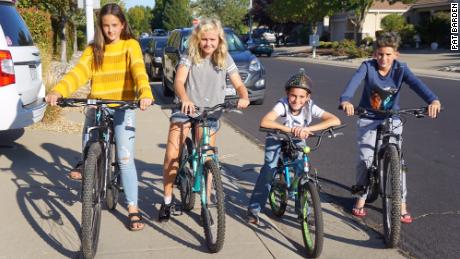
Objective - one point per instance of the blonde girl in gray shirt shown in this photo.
(200, 80)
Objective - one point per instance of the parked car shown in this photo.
(160, 32)
(251, 70)
(152, 49)
(21, 86)
(266, 34)
(260, 47)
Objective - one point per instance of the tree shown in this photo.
(139, 18)
(303, 11)
(176, 14)
(158, 14)
(230, 12)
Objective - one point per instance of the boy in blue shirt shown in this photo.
(383, 77)
(296, 112)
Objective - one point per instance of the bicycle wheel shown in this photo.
(214, 209)
(278, 196)
(391, 196)
(113, 179)
(186, 178)
(91, 204)
(373, 187)
(311, 217)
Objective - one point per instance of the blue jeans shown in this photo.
(261, 190)
(124, 122)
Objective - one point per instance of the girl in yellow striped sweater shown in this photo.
(114, 64)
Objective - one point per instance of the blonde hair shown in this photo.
(219, 56)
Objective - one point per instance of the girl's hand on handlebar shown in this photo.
(243, 103)
(145, 103)
(188, 107)
(52, 98)
(348, 108)
(434, 108)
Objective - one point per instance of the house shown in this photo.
(341, 27)
(423, 9)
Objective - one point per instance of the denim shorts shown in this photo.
(179, 117)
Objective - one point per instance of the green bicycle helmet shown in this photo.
(299, 80)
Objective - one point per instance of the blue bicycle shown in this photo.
(300, 185)
(199, 172)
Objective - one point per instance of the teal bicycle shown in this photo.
(199, 173)
(295, 179)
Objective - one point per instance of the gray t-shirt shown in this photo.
(205, 85)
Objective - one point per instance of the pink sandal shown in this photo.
(406, 218)
(359, 212)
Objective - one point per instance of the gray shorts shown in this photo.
(179, 117)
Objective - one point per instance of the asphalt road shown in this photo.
(430, 149)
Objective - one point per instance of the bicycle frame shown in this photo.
(101, 132)
(385, 137)
(200, 155)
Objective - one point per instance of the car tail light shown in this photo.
(6, 69)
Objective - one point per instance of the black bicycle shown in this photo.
(387, 168)
(101, 172)
(301, 185)
(199, 172)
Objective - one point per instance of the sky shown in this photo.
(132, 3)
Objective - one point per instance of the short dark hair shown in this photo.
(388, 39)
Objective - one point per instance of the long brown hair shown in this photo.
(99, 39)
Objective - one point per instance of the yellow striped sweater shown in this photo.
(121, 77)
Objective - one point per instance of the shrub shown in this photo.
(39, 23)
(393, 22)
(436, 29)
(348, 48)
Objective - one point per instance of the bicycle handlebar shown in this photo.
(330, 132)
(76, 102)
(228, 105)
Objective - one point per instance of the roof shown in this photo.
(378, 5)
(431, 3)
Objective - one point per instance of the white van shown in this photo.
(21, 86)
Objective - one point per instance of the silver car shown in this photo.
(21, 86)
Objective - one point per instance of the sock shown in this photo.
(167, 199)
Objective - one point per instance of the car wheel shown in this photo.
(269, 54)
(166, 91)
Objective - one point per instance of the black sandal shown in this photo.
(77, 172)
(134, 221)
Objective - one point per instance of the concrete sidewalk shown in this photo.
(422, 62)
(41, 208)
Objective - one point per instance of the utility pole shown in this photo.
(89, 20)
(250, 20)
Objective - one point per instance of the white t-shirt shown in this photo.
(303, 119)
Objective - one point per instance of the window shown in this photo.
(16, 32)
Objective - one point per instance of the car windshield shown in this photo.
(234, 43)
(160, 43)
(144, 42)
(14, 28)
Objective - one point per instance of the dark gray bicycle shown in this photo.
(101, 173)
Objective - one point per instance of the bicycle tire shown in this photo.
(186, 179)
(91, 200)
(214, 233)
(311, 217)
(391, 199)
(278, 195)
(373, 187)
(113, 179)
